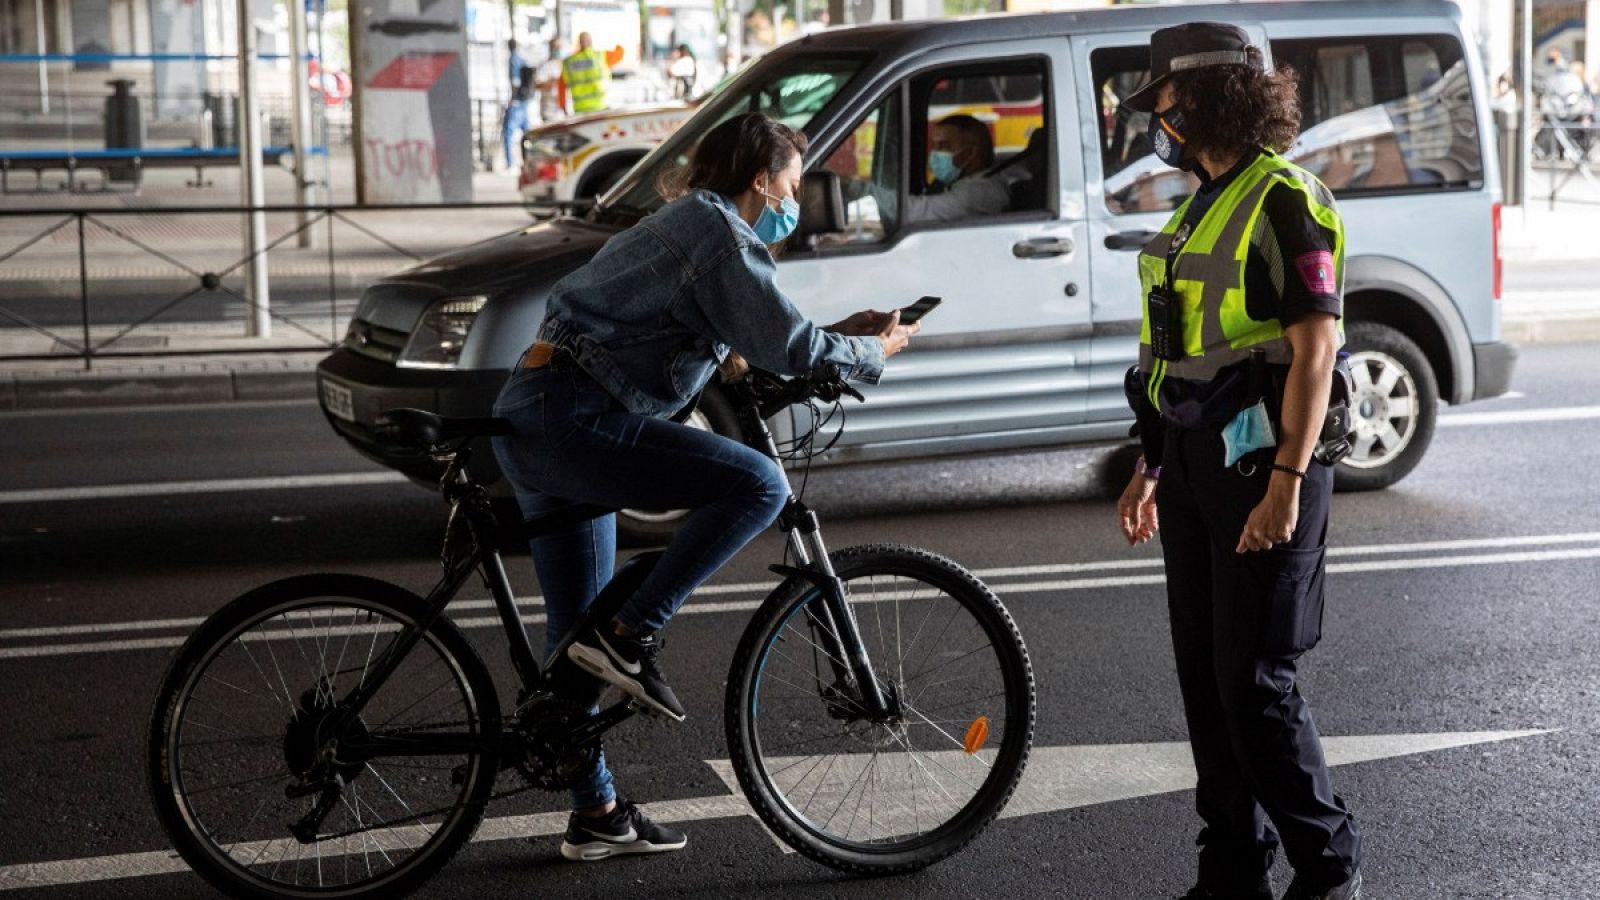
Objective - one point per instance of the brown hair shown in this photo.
(731, 155)
(1234, 109)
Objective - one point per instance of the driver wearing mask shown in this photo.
(960, 157)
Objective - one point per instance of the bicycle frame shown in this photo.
(833, 621)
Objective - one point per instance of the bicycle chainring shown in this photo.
(551, 760)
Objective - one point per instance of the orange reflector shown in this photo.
(977, 733)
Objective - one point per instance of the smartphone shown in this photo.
(917, 310)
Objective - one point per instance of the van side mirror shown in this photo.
(821, 204)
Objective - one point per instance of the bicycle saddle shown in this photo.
(425, 430)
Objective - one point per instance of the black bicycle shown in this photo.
(338, 735)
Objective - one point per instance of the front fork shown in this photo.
(833, 622)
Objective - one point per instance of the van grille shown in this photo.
(375, 341)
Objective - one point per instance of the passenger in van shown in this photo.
(960, 158)
(1237, 361)
(628, 341)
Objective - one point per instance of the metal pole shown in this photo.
(83, 296)
(300, 108)
(259, 323)
(44, 67)
(357, 11)
(1527, 110)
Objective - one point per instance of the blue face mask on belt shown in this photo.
(773, 226)
(1250, 430)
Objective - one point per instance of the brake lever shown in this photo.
(851, 392)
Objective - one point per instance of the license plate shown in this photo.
(336, 398)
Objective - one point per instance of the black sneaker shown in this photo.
(1302, 890)
(622, 831)
(630, 664)
(1261, 891)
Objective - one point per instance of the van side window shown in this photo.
(867, 162)
(1379, 115)
(980, 139)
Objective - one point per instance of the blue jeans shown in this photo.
(515, 124)
(573, 443)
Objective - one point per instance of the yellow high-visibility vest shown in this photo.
(1208, 274)
(586, 74)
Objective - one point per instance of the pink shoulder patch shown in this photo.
(1316, 270)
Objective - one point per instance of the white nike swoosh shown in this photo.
(630, 668)
(628, 838)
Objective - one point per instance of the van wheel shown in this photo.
(1394, 408)
(645, 528)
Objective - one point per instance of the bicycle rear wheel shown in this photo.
(894, 795)
(245, 743)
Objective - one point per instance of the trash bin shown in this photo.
(224, 118)
(124, 129)
(124, 123)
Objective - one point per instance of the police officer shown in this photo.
(1238, 351)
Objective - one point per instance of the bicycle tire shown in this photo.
(743, 693)
(261, 605)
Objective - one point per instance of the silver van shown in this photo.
(1042, 306)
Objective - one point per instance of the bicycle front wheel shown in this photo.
(256, 763)
(902, 792)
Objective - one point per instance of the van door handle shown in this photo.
(1129, 240)
(1042, 247)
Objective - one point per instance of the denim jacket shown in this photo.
(658, 307)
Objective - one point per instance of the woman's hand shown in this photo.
(1136, 509)
(866, 323)
(894, 335)
(1274, 518)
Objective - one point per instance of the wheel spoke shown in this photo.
(851, 780)
(235, 710)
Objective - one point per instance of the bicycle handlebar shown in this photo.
(772, 393)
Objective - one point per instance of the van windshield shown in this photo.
(792, 92)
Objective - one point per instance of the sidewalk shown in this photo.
(212, 362)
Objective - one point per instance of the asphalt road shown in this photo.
(1461, 609)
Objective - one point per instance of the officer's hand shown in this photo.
(1274, 518)
(1136, 509)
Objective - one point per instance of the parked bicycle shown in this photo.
(338, 735)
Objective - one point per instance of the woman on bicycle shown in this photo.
(627, 342)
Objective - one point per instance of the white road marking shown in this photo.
(1057, 778)
(1520, 416)
(212, 486)
(741, 606)
(223, 485)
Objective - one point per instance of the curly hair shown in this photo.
(1234, 109)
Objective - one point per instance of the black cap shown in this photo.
(1193, 45)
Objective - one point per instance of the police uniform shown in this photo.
(1254, 250)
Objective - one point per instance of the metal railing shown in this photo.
(1568, 152)
(100, 276)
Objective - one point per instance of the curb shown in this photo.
(38, 391)
(1551, 330)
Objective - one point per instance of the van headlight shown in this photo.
(437, 340)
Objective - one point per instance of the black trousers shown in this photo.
(1239, 622)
